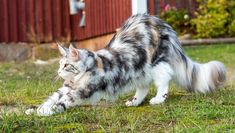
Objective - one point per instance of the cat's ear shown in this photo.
(74, 53)
(62, 49)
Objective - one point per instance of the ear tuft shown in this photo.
(74, 53)
(61, 49)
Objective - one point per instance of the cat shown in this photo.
(144, 51)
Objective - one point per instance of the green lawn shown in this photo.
(24, 85)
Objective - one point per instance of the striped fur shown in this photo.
(144, 51)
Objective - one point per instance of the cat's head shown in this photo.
(74, 62)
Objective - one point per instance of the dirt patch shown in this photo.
(230, 75)
(9, 109)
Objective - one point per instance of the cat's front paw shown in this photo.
(157, 100)
(59, 107)
(45, 111)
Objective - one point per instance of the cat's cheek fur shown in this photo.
(66, 75)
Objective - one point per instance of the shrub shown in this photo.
(231, 28)
(178, 19)
(231, 18)
(215, 18)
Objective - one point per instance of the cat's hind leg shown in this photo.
(162, 74)
(140, 94)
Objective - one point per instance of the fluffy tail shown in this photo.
(191, 75)
(201, 78)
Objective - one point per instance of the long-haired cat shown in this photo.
(144, 51)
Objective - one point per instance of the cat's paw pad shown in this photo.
(157, 100)
(29, 111)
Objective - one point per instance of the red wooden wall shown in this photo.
(49, 20)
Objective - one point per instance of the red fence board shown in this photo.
(88, 19)
(117, 13)
(96, 16)
(3, 21)
(48, 20)
(151, 8)
(56, 11)
(108, 15)
(65, 20)
(81, 30)
(39, 17)
(113, 14)
(30, 25)
(13, 20)
(102, 15)
(22, 20)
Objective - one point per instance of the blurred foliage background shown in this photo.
(213, 18)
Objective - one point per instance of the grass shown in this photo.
(23, 85)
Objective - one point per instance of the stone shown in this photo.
(15, 52)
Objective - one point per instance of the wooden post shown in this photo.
(139, 6)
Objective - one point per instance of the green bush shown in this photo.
(231, 28)
(178, 19)
(215, 18)
(231, 18)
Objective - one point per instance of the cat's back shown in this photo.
(140, 29)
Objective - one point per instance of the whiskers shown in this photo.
(56, 78)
